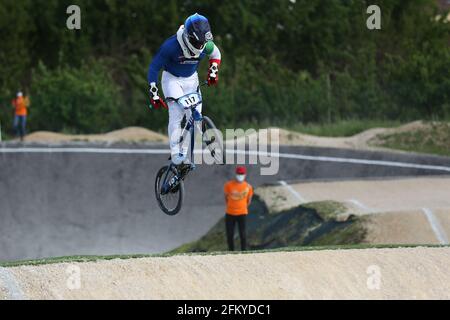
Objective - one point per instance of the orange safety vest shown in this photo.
(237, 197)
(20, 105)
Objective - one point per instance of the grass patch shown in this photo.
(352, 233)
(343, 128)
(327, 210)
(36, 262)
(81, 259)
(6, 136)
(432, 139)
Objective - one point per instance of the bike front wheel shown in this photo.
(170, 199)
(213, 141)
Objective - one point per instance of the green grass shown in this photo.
(433, 139)
(36, 262)
(352, 233)
(327, 210)
(342, 128)
(6, 136)
(81, 259)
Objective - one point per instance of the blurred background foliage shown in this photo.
(284, 62)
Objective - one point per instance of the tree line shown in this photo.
(284, 61)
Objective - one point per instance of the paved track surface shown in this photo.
(69, 203)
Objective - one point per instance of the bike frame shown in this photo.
(188, 128)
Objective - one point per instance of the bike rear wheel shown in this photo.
(213, 140)
(170, 199)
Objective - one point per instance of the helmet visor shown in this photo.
(196, 43)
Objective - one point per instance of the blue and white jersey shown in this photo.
(170, 57)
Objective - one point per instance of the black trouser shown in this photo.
(230, 221)
(20, 123)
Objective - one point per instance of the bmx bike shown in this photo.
(169, 186)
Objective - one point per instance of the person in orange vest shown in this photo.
(238, 196)
(20, 105)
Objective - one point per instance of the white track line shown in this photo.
(360, 205)
(9, 282)
(293, 191)
(258, 153)
(84, 150)
(436, 226)
(348, 160)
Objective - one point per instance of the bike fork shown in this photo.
(168, 185)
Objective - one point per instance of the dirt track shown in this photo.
(130, 134)
(395, 210)
(400, 227)
(402, 273)
(366, 140)
(382, 195)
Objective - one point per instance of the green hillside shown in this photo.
(312, 224)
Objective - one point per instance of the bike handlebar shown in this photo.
(204, 83)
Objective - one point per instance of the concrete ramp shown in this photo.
(95, 199)
(400, 273)
(403, 227)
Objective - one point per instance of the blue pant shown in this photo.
(20, 129)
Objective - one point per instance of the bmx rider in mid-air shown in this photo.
(179, 57)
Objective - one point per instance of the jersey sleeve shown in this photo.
(159, 60)
(250, 192)
(213, 52)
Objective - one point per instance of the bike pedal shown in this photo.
(184, 169)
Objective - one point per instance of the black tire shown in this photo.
(177, 194)
(212, 139)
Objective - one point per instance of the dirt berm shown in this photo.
(399, 273)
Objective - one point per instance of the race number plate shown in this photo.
(190, 101)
